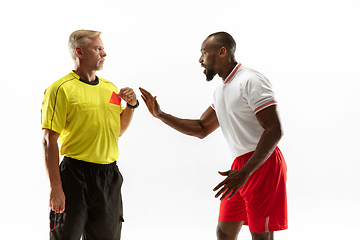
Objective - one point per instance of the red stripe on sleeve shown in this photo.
(265, 105)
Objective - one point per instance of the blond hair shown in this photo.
(80, 38)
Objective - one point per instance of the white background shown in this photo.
(308, 49)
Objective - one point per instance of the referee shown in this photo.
(84, 112)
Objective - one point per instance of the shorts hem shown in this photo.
(272, 229)
(233, 221)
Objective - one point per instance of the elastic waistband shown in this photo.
(81, 163)
(246, 156)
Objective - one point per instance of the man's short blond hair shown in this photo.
(80, 38)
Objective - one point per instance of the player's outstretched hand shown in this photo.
(150, 102)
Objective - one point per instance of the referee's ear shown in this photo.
(79, 52)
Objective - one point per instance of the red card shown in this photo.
(115, 99)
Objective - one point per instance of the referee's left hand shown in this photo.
(128, 95)
(234, 181)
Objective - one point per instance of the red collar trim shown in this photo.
(231, 75)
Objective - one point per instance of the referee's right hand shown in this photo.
(57, 200)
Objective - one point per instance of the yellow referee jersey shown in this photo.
(87, 116)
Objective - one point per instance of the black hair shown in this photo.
(225, 40)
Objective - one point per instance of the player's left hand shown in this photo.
(234, 181)
(128, 95)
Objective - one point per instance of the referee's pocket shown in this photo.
(113, 116)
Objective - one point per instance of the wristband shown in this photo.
(133, 107)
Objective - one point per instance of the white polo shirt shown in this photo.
(243, 93)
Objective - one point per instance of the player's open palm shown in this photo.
(150, 102)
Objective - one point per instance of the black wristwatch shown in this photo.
(133, 107)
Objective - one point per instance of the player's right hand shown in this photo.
(151, 103)
(57, 200)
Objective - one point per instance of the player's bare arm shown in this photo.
(200, 128)
(269, 120)
(129, 96)
(51, 154)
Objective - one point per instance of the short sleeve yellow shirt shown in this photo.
(87, 116)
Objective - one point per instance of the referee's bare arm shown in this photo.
(51, 154)
(126, 116)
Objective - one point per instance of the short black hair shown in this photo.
(225, 40)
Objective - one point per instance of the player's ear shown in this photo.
(222, 51)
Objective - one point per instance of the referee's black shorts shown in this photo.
(93, 207)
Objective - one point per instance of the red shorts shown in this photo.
(261, 202)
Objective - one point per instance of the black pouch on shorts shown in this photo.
(54, 219)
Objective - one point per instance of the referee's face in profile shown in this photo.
(94, 54)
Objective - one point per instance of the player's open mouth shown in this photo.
(202, 65)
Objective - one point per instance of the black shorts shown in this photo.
(93, 207)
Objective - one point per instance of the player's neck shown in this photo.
(227, 69)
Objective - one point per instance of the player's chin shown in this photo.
(209, 77)
(209, 74)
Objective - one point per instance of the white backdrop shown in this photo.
(308, 49)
